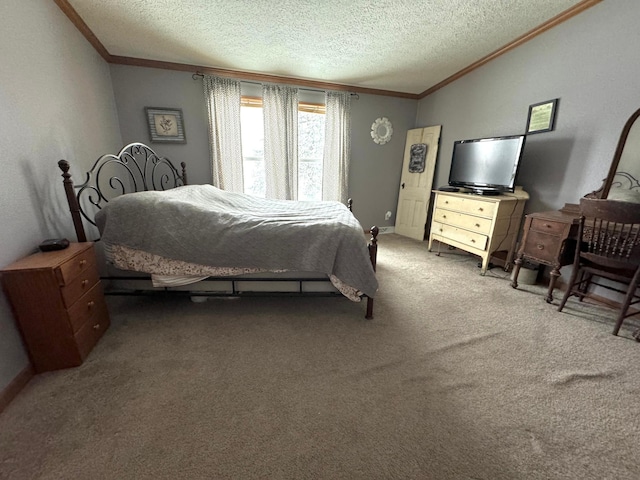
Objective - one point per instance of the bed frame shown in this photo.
(138, 168)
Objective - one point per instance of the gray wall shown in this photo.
(56, 101)
(591, 63)
(375, 169)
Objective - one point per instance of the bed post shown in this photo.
(184, 173)
(74, 207)
(373, 255)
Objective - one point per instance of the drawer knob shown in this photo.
(84, 283)
(473, 240)
(444, 216)
(481, 209)
(96, 326)
(83, 263)
(477, 225)
(540, 246)
(91, 304)
(547, 225)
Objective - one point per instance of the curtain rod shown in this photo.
(198, 75)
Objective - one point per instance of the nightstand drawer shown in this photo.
(543, 247)
(84, 308)
(471, 239)
(92, 330)
(69, 270)
(470, 222)
(80, 285)
(547, 226)
(466, 205)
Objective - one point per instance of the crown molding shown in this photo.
(255, 77)
(71, 13)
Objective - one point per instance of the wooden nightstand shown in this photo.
(548, 238)
(59, 305)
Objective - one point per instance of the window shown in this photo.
(311, 121)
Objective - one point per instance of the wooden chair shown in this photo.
(608, 247)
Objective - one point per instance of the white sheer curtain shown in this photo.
(280, 109)
(337, 146)
(223, 105)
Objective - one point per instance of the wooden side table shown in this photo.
(58, 302)
(548, 238)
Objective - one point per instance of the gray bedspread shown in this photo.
(205, 225)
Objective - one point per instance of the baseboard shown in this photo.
(16, 385)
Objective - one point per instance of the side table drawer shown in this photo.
(92, 330)
(542, 247)
(86, 306)
(547, 226)
(80, 285)
(75, 266)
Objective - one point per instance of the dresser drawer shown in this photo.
(547, 226)
(466, 237)
(466, 205)
(80, 285)
(92, 330)
(541, 246)
(75, 266)
(469, 222)
(86, 306)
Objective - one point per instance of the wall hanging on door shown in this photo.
(418, 157)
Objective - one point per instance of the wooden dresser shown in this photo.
(478, 224)
(59, 305)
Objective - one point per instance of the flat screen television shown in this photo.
(486, 166)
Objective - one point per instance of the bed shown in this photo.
(158, 234)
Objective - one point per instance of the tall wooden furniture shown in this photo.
(59, 305)
(548, 238)
(482, 225)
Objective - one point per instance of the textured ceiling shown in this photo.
(398, 45)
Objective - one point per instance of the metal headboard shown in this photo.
(625, 181)
(136, 168)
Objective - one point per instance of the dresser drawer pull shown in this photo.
(473, 240)
(540, 246)
(444, 216)
(477, 225)
(481, 209)
(96, 326)
(546, 225)
(83, 263)
(84, 283)
(90, 304)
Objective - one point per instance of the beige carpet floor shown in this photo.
(459, 376)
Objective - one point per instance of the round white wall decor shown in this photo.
(381, 130)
